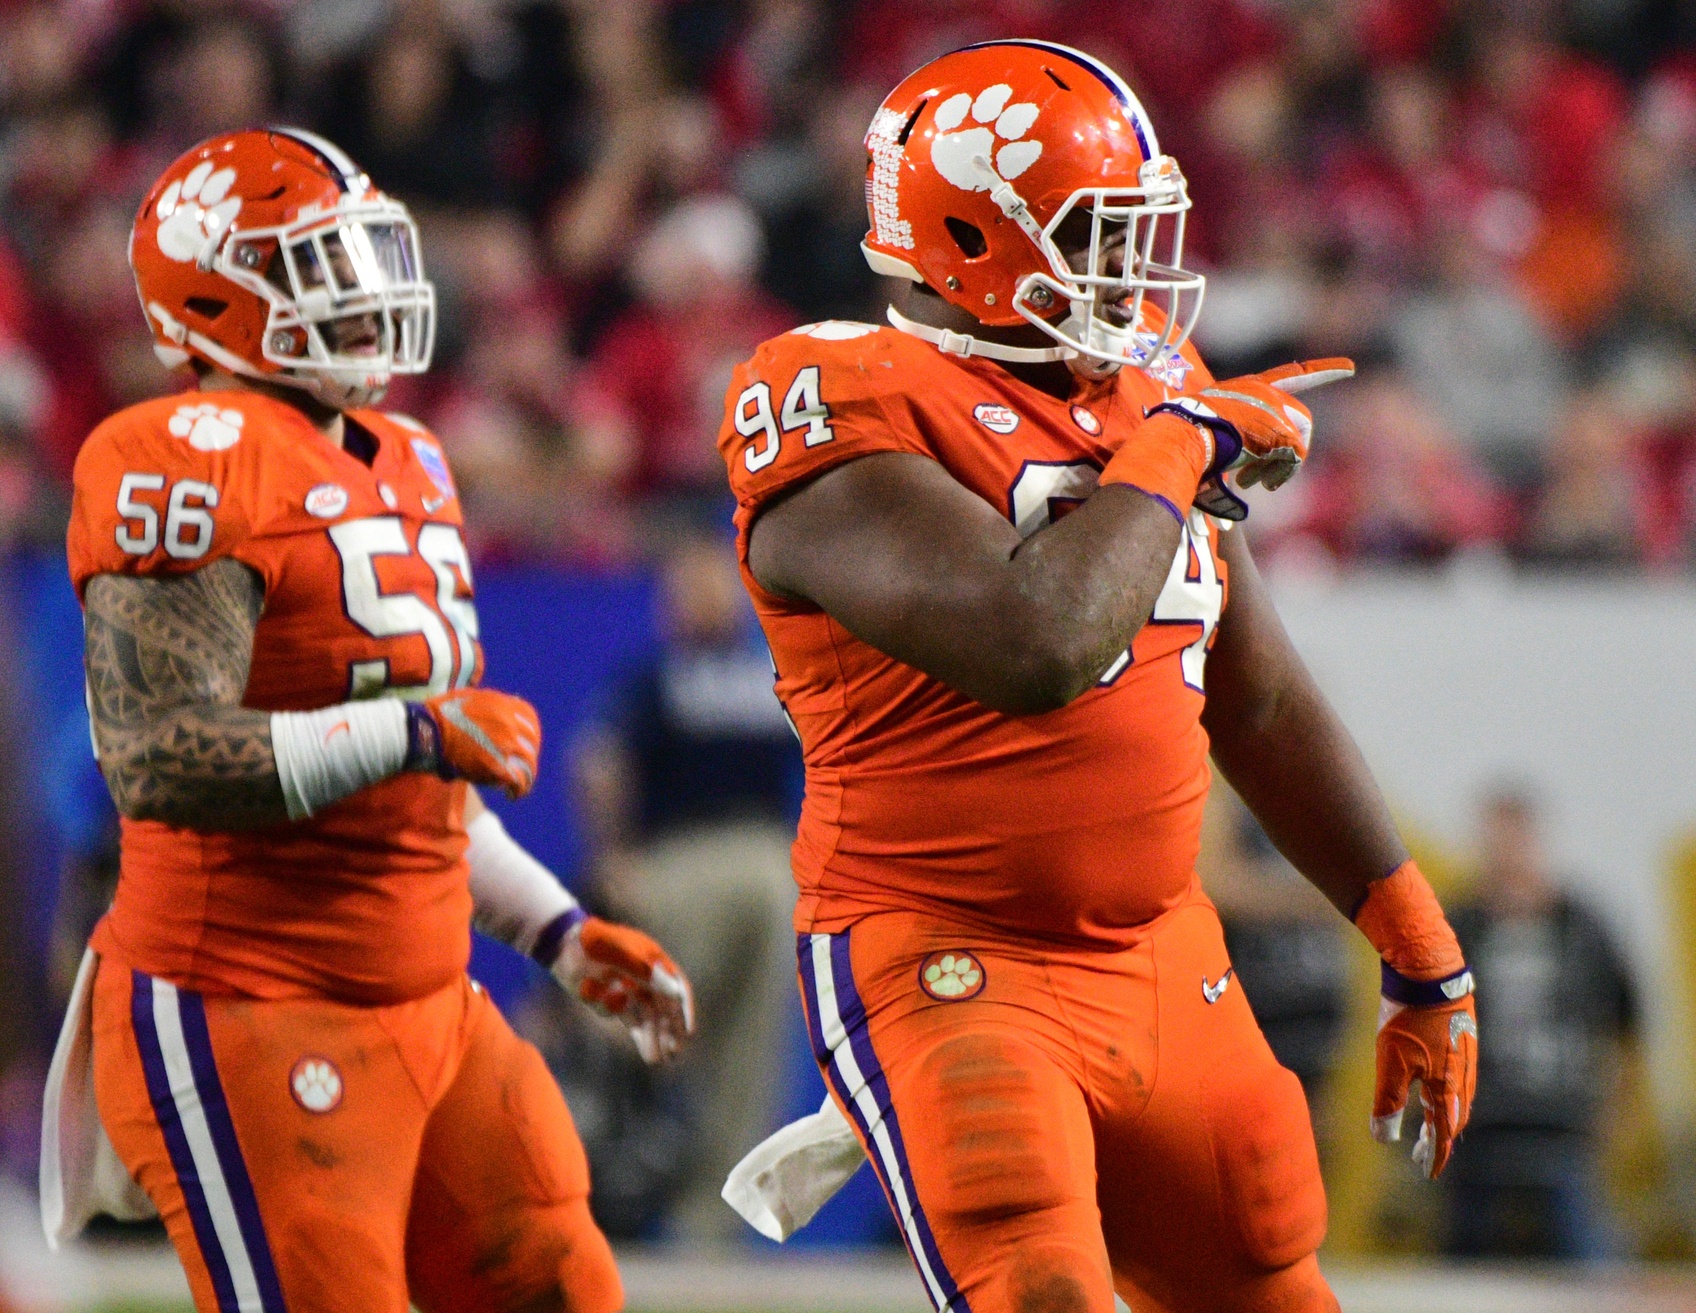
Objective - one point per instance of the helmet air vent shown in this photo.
(1055, 78)
(968, 237)
(907, 127)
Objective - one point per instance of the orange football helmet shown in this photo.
(975, 162)
(253, 244)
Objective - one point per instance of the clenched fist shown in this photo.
(479, 735)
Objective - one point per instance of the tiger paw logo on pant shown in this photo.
(316, 1084)
(951, 976)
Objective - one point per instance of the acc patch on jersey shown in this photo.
(997, 419)
(951, 976)
(326, 501)
(316, 1084)
(430, 457)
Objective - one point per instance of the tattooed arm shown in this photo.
(167, 664)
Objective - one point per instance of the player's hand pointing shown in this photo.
(479, 735)
(1258, 429)
(626, 975)
(1305, 375)
(1436, 1044)
(1275, 430)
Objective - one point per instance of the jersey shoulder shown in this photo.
(819, 396)
(214, 434)
(860, 360)
(170, 484)
(393, 426)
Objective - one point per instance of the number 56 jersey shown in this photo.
(367, 594)
(1077, 826)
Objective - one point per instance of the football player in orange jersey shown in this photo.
(991, 545)
(283, 660)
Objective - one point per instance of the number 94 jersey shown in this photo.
(1077, 826)
(367, 594)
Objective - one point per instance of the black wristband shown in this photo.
(1424, 993)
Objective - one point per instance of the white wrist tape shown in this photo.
(514, 897)
(323, 756)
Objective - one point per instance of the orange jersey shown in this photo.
(367, 593)
(1079, 825)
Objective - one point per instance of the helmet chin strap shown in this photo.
(963, 344)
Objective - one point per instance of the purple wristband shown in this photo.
(552, 939)
(1227, 442)
(424, 742)
(1424, 993)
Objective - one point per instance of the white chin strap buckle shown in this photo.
(956, 344)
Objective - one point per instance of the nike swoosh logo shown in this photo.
(1216, 991)
(340, 727)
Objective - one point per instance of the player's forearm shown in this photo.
(1029, 628)
(210, 767)
(201, 767)
(514, 898)
(1076, 594)
(909, 561)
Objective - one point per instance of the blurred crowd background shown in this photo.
(1489, 204)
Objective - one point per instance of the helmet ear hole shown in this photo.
(907, 128)
(205, 306)
(967, 236)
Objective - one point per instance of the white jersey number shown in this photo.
(453, 656)
(1192, 599)
(188, 517)
(1046, 490)
(803, 408)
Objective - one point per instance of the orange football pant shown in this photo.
(319, 1157)
(1052, 1126)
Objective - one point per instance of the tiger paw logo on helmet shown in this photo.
(958, 155)
(207, 427)
(951, 976)
(195, 209)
